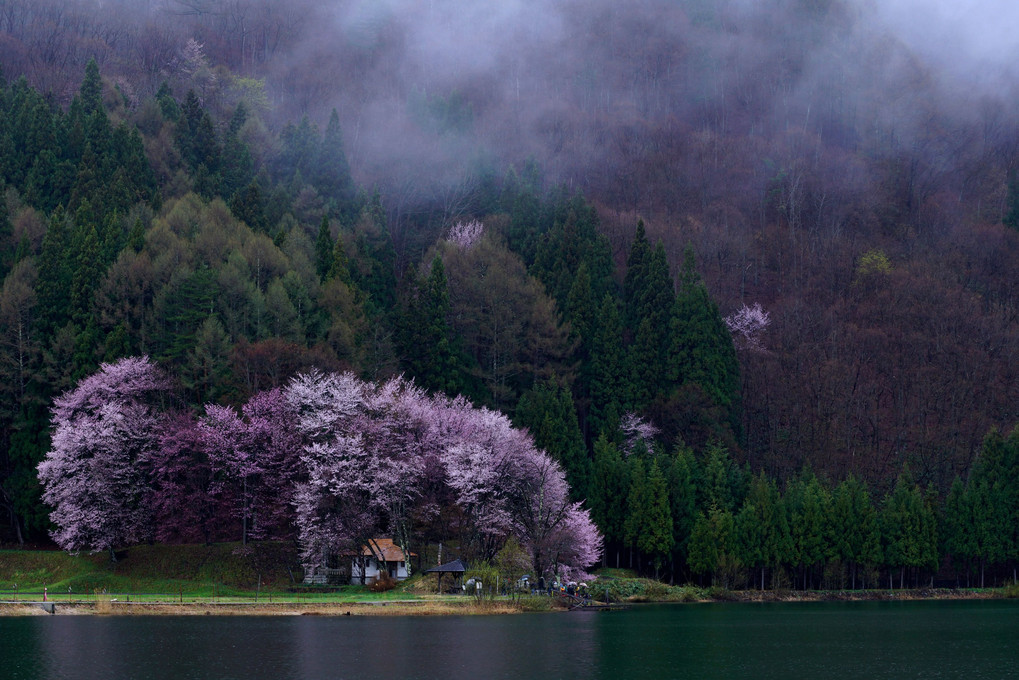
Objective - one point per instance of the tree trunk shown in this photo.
(244, 514)
(17, 528)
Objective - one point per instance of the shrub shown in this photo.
(382, 583)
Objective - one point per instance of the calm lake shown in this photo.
(816, 640)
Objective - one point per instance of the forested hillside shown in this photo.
(748, 249)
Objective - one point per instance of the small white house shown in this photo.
(381, 554)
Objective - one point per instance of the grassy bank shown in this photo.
(264, 579)
(192, 570)
(219, 579)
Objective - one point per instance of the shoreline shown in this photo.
(403, 608)
(454, 608)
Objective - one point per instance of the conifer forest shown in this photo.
(722, 291)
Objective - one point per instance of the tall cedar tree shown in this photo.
(702, 353)
(430, 351)
(547, 412)
(608, 493)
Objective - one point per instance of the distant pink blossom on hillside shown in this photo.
(466, 234)
(746, 325)
(636, 429)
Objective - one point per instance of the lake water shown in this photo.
(870, 640)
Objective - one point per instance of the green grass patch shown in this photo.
(1010, 591)
(187, 573)
(633, 589)
(158, 568)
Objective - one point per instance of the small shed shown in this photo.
(456, 567)
(381, 554)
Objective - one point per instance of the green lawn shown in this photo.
(225, 572)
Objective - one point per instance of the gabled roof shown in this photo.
(390, 551)
(456, 566)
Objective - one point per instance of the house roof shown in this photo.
(390, 551)
(456, 566)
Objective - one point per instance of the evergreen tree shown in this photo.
(636, 498)
(55, 273)
(907, 535)
(681, 475)
(323, 249)
(547, 411)
(167, 104)
(608, 493)
(722, 484)
(854, 531)
(7, 254)
(87, 264)
(238, 169)
(809, 507)
(373, 260)
(702, 352)
(608, 387)
(91, 91)
(635, 283)
(247, 206)
(332, 172)
(762, 529)
(431, 354)
(198, 144)
(711, 548)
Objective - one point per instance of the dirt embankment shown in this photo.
(408, 608)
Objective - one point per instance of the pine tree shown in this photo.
(635, 283)
(680, 475)
(762, 528)
(907, 533)
(655, 519)
(323, 249)
(702, 352)
(55, 273)
(711, 544)
(87, 264)
(91, 91)
(854, 531)
(607, 497)
(547, 411)
(608, 387)
(238, 169)
(636, 498)
(431, 354)
(332, 172)
(809, 508)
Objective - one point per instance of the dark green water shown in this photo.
(823, 640)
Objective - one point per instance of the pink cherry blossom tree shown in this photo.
(361, 461)
(635, 430)
(746, 325)
(466, 234)
(187, 489)
(374, 455)
(270, 440)
(92, 477)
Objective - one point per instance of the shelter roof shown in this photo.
(456, 566)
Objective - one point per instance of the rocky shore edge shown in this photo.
(456, 608)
